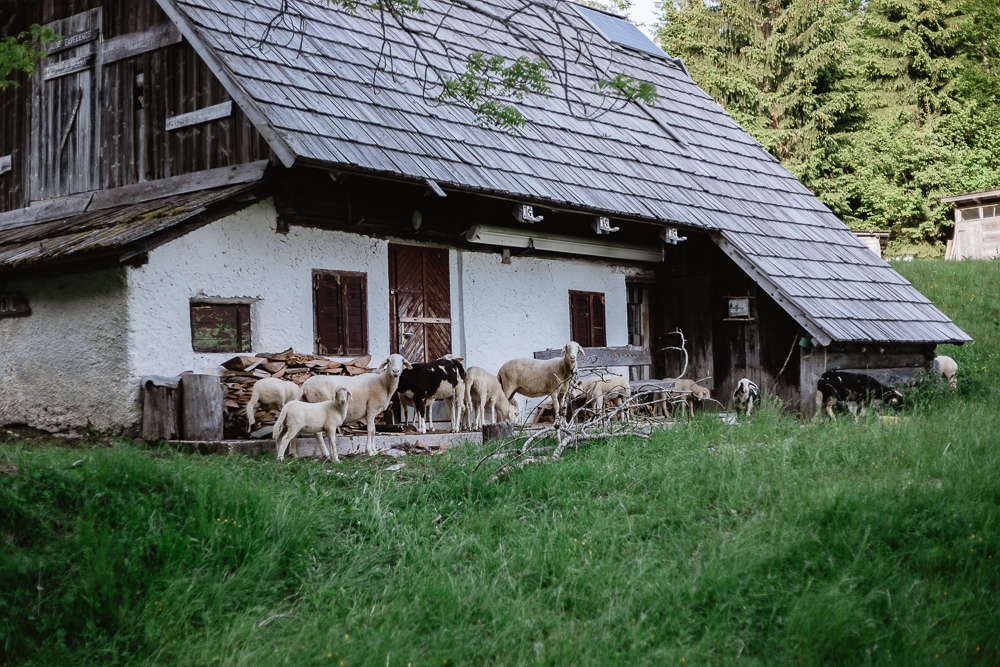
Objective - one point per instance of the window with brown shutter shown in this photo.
(340, 303)
(220, 327)
(586, 318)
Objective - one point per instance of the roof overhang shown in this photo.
(971, 197)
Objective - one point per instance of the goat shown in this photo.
(273, 394)
(843, 386)
(371, 393)
(535, 378)
(423, 383)
(298, 417)
(948, 369)
(746, 395)
(483, 389)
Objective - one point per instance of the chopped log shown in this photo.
(280, 356)
(202, 407)
(160, 409)
(263, 432)
(498, 431)
(360, 362)
(261, 373)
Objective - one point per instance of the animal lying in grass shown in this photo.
(298, 417)
(746, 395)
(841, 387)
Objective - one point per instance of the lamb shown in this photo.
(483, 389)
(298, 417)
(607, 388)
(842, 386)
(746, 395)
(271, 394)
(421, 384)
(948, 369)
(534, 377)
(688, 391)
(371, 393)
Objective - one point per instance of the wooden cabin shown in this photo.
(977, 225)
(182, 180)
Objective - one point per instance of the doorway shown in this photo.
(419, 302)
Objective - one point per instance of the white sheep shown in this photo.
(271, 394)
(371, 393)
(482, 390)
(948, 369)
(684, 392)
(606, 388)
(298, 417)
(534, 377)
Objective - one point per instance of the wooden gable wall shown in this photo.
(135, 144)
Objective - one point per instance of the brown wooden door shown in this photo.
(420, 302)
(65, 132)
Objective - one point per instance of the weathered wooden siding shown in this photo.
(135, 144)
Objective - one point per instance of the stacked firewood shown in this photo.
(239, 375)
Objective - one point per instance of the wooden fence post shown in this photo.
(160, 408)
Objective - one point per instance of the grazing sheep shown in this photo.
(422, 384)
(483, 389)
(843, 387)
(746, 395)
(298, 417)
(948, 369)
(371, 393)
(271, 394)
(688, 391)
(607, 388)
(534, 377)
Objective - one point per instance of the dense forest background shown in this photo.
(880, 108)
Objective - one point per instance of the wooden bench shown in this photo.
(610, 357)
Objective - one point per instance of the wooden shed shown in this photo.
(182, 178)
(977, 225)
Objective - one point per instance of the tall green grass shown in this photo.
(767, 543)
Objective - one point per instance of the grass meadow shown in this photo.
(768, 543)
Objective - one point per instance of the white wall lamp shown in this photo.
(602, 225)
(569, 245)
(669, 235)
(525, 213)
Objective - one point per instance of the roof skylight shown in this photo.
(621, 32)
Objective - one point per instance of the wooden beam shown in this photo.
(812, 364)
(66, 67)
(799, 315)
(432, 184)
(45, 211)
(836, 361)
(5, 164)
(166, 187)
(246, 103)
(626, 355)
(205, 115)
(135, 43)
(73, 41)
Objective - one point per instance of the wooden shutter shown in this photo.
(65, 132)
(586, 316)
(341, 304)
(220, 328)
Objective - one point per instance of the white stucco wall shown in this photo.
(243, 256)
(515, 309)
(67, 361)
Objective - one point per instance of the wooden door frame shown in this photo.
(394, 346)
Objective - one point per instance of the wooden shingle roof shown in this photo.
(320, 96)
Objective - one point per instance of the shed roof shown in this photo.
(333, 95)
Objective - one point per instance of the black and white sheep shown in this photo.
(421, 384)
(746, 395)
(843, 386)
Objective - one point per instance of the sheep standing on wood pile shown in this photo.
(422, 384)
(371, 393)
(482, 389)
(948, 369)
(271, 394)
(607, 388)
(298, 417)
(535, 378)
